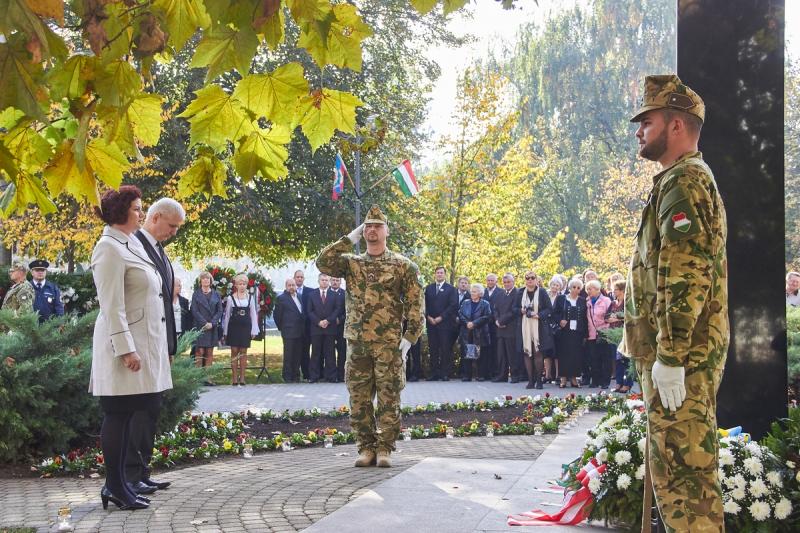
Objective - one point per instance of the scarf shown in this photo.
(530, 326)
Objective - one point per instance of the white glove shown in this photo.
(669, 382)
(355, 235)
(405, 346)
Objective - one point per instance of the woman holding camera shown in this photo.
(537, 340)
(473, 318)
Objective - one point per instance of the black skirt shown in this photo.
(239, 327)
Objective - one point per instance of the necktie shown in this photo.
(323, 297)
(508, 291)
(161, 253)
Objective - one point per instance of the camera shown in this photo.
(529, 312)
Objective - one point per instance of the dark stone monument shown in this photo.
(731, 52)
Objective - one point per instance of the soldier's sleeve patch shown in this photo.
(678, 219)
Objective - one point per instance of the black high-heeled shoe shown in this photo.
(106, 496)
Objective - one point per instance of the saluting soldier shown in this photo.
(19, 297)
(383, 288)
(47, 301)
(676, 310)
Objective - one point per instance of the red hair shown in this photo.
(114, 205)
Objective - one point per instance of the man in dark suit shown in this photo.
(487, 360)
(507, 323)
(47, 297)
(164, 218)
(341, 343)
(323, 310)
(291, 322)
(441, 306)
(303, 293)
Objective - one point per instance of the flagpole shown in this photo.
(357, 188)
(379, 181)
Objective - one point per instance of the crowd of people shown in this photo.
(535, 333)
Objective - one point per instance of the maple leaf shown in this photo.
(263, 152)
(21, 87)
(341, 45)
(30, 149)
(273, 95)
(223, 49)
(215, 118)
(48, 8)
(183, 17)
(118, 27)
(324, 111)
(270, 24)
(25, 189)
(308, 10)
(205, 175)
(138, 124)
(424, 6)
(117, 83)
(68, 79)
(9, 117)
(453, 5)
(104, 161)
(17, 16)
(107, 161)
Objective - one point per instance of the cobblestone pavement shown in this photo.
(278, 491)
(328, 396)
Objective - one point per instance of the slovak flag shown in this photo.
(339, 172)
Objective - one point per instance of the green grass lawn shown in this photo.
(273, 347)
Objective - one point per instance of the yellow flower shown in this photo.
(227, 445)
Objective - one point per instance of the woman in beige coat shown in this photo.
(130, 364)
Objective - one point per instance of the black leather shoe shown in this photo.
(141, 488)
(514, 380)
(141, 498)
(160, 485)
(106, 496)
(445, 378)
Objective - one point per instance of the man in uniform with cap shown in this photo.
(383, 289)
(19, 297)
(47, 301)
(676, 310)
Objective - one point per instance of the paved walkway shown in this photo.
(329, 396)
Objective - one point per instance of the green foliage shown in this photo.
(793, 348)
(784, 441)
(791, 132)
(186, 382)
(45, 408)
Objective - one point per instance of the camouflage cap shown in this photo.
(18, 265)
(375, 216)
(667, 91)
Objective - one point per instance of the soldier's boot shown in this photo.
(384, 458)
(366, 457)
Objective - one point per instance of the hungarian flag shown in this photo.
(405, 178)
(339, 172)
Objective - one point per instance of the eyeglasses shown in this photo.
(530, 277)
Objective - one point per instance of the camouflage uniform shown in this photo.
(19, 298)
(676, 311)
(381, 292)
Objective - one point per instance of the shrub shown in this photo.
(793, 347)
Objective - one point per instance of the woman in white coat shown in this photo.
(130, 363)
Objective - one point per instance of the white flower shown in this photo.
(725, 457)
(760, 510)
(223, 280)
(721, 475)
(758, 488)
(783, 509)
(774, 479)
(740, 481)
(753, 465)
(47, 462)
(729, 482)
(589, 441)
(738, 493)
(556, 411)
(594, 485)
(633, 404)
(642, 443)
(602, 456)
(537, 398)
(547, 419)
(600, 441)
(754, 449)
(797, 477)
(790, 464)
(623, 481)
(622, 436)
(731, 507)
(640, 472)
(622, 457)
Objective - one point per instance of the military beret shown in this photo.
(38, 263)
(18, 265)
(375, 216)
(667, 91)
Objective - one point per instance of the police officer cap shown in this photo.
(375, 216)
(38, 263)
(667, 91)
(18, 265)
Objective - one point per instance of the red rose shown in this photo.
(71, 456)
(99, 459)
(262, 287)
(268, 300)
(509, 397)
(214, 271)
(251, 283)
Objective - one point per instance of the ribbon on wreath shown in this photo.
(574, 507)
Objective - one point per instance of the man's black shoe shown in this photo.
(514, 380)
(432, 378)
(413, 378)
(141, 488)
(160, 485)
(445, 378)
(499, 380)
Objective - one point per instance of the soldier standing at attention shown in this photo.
(676, 310)
(383, 288)
(47, 300)
(19, 297)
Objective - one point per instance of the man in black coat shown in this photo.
(441, 307)
(164, 218)
(507, 322)
(487, 360)
(303, 292)
(341, 343)
(290, 319)
(324, 308)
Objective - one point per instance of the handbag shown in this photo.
(472, 351)
(600, 340)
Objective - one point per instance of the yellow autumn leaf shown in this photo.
(144, 114)
(63, 175)
(273, 95)
(264, 152)
(48, 8)
(117, 83)
(24, 190)
(30, 149)
(308, 10)
(323, 112)
(424, 6)
(183, 17)
(453, 5)
(205, 175)
(106, 161)
(225, 48)
(215, 118)
(341, 45)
